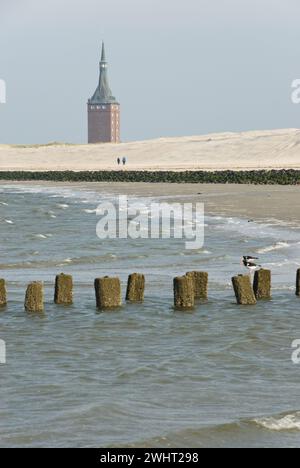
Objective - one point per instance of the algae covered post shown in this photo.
(184, 296)
(200, 282)
(63, 294)
(108, 293)
(135, 288)
(243, 290)
(298, 283)
(34, 299)
(262, 284)
(3, 294)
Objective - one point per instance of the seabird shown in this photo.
(249, 263)
(250, 259)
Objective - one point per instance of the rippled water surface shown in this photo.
(144, 375)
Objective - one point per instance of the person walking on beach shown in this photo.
(124, 161)
(119, 161)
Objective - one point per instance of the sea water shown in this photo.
(145, 375)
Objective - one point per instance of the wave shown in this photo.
(234, 434)
(287, 422)
(89, 260)
(271, 248)
(50, 213)
(60, 192)
(90, 211)
(39, 236)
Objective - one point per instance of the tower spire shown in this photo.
(103, 57)
(103, 94)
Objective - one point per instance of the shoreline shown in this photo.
(251, 202)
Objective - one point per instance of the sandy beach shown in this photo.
(276, 149)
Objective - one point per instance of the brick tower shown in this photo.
(103, 110)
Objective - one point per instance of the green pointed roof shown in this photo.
(103, 94)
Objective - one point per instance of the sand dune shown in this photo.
(276, 149)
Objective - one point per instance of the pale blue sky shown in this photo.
(177, 67)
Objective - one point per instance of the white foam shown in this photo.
(271, 248)
(285, 423)
(90, 211)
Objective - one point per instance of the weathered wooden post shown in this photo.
(298, 283)
(262, 284)
(243, 290)
(135, 288)
(3, 298)
(200, 280)
(63, 294)
(34, 299)
(108, 293)
(184, 296)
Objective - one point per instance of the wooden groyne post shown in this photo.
(108, 293)
(135, 288)
(262, 284)
(63, 294)
(184, 295)
(3, 295)
(298, 283)
(34, 299)
(243, 290)
(200, 281)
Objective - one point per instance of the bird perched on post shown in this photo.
(249, 263)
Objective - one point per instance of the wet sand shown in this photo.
(247, 201)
